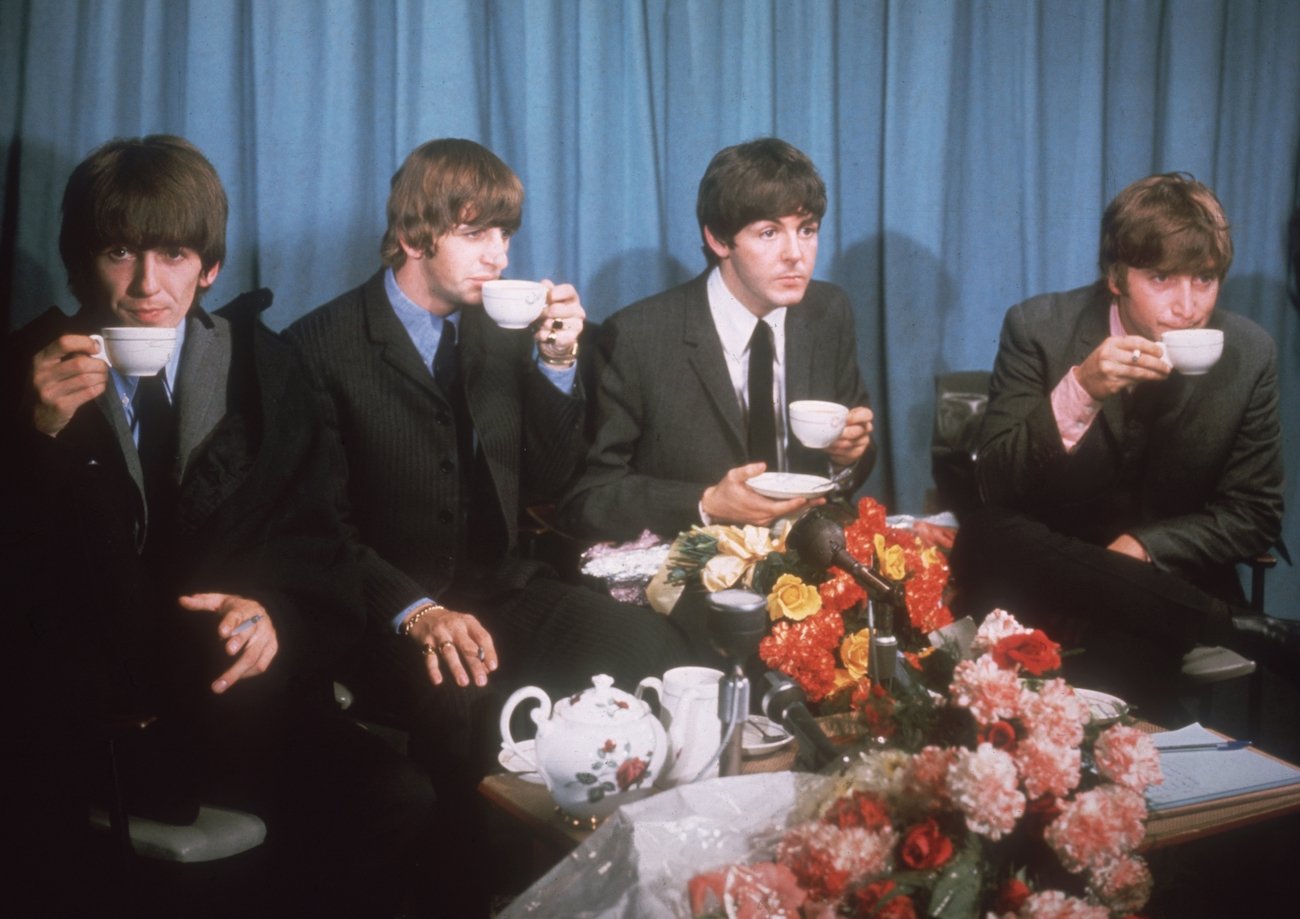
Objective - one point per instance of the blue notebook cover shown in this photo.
(1193, 777)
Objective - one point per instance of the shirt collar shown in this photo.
(735, 323)
(424, 327)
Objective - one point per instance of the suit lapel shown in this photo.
(201, 385)
(390, 337)
(704, 354)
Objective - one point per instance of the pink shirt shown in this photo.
(1072, 407)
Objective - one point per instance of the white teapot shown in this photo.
(596, 750)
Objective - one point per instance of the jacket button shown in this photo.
(446, 465)
(442, 418)
(446, 516)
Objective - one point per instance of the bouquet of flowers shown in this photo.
(999, 796)
(819, 635)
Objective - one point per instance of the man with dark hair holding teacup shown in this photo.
(695, 382)
(445, 426)
(1121, 491)
(168, 549)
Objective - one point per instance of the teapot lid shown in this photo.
(601, 704)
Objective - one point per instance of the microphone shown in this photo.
(820, 541)
(784, 703)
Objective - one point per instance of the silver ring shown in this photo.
(482, 655)
(1137, 352)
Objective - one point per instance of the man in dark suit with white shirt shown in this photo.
(694, 383)
(1121, 492)
(170, 550)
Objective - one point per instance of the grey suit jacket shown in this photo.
(393, 441)
(1199, 484)
(667, 420)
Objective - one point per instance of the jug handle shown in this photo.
(540, 717)
(651, 682)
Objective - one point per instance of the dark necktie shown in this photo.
(762, 424)
(446, 362)
(156, 445)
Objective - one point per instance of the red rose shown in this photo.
(1011, 896)
(879, 900)
(925, 846)
(858, 809)
(630, 772)
(1041, 811)
(1001, 735)
(1033, 651)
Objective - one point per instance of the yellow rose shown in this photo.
(892, 559)
(855, 651)
(793, 599)
(930, 556)
(722, 571)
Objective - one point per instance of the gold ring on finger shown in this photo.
(557, 324)
(550, 339)
(428, 650)
(446, 644)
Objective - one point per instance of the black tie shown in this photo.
(762, 424)
(156, 445)
(446, 363)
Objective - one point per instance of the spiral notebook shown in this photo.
(1194, 777)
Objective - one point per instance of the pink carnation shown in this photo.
(927, 777)
(1124, 884)
(1053, 904)
(826, 858)
(991, 693)
(996, 626)
(1127, 756)
(982, 783)
(1048, 768)
(1096, 826)
(1054, 714)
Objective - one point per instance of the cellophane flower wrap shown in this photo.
(995, 796)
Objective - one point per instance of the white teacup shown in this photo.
(817, 424)
(1192, 351)
(137, 351)
(688, 708)
(514, 304)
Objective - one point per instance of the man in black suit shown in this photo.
(693, 387)
(1122, 492)
(169, 548)
(444, 426)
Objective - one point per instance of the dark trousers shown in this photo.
(1131, 622)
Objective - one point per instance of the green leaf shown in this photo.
(956, 893)
(586, 778)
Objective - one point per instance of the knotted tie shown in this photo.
(156, 446)
(446, 362)
(762, 423)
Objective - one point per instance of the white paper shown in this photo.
(1195, 776)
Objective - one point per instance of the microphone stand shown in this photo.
(737, 622)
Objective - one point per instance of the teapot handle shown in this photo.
(540, 717)
(651, 682)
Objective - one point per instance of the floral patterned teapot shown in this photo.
(596, 750)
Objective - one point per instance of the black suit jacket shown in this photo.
(667, 420)
(394, 447)
(95, 624)
(1202, 487)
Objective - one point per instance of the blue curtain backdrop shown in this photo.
(969, 147)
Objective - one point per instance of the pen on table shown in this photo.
(1202, 747)
(247, 624)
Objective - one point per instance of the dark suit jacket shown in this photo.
(394, 447)
(667, 420)
(1199, 484)
(253, 519)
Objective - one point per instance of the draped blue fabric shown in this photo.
(969, 147)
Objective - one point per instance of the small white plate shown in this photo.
(753, 741)
(513, 762)
(1103, 707)
(783, 485)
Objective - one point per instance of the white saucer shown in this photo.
(1103, 707)
(513, 762)
(753, 742)
(782, 485)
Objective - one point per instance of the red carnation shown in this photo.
(1001, 735)
(879, 901)
(858, 809)
(1033, 651)
(925, 846)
